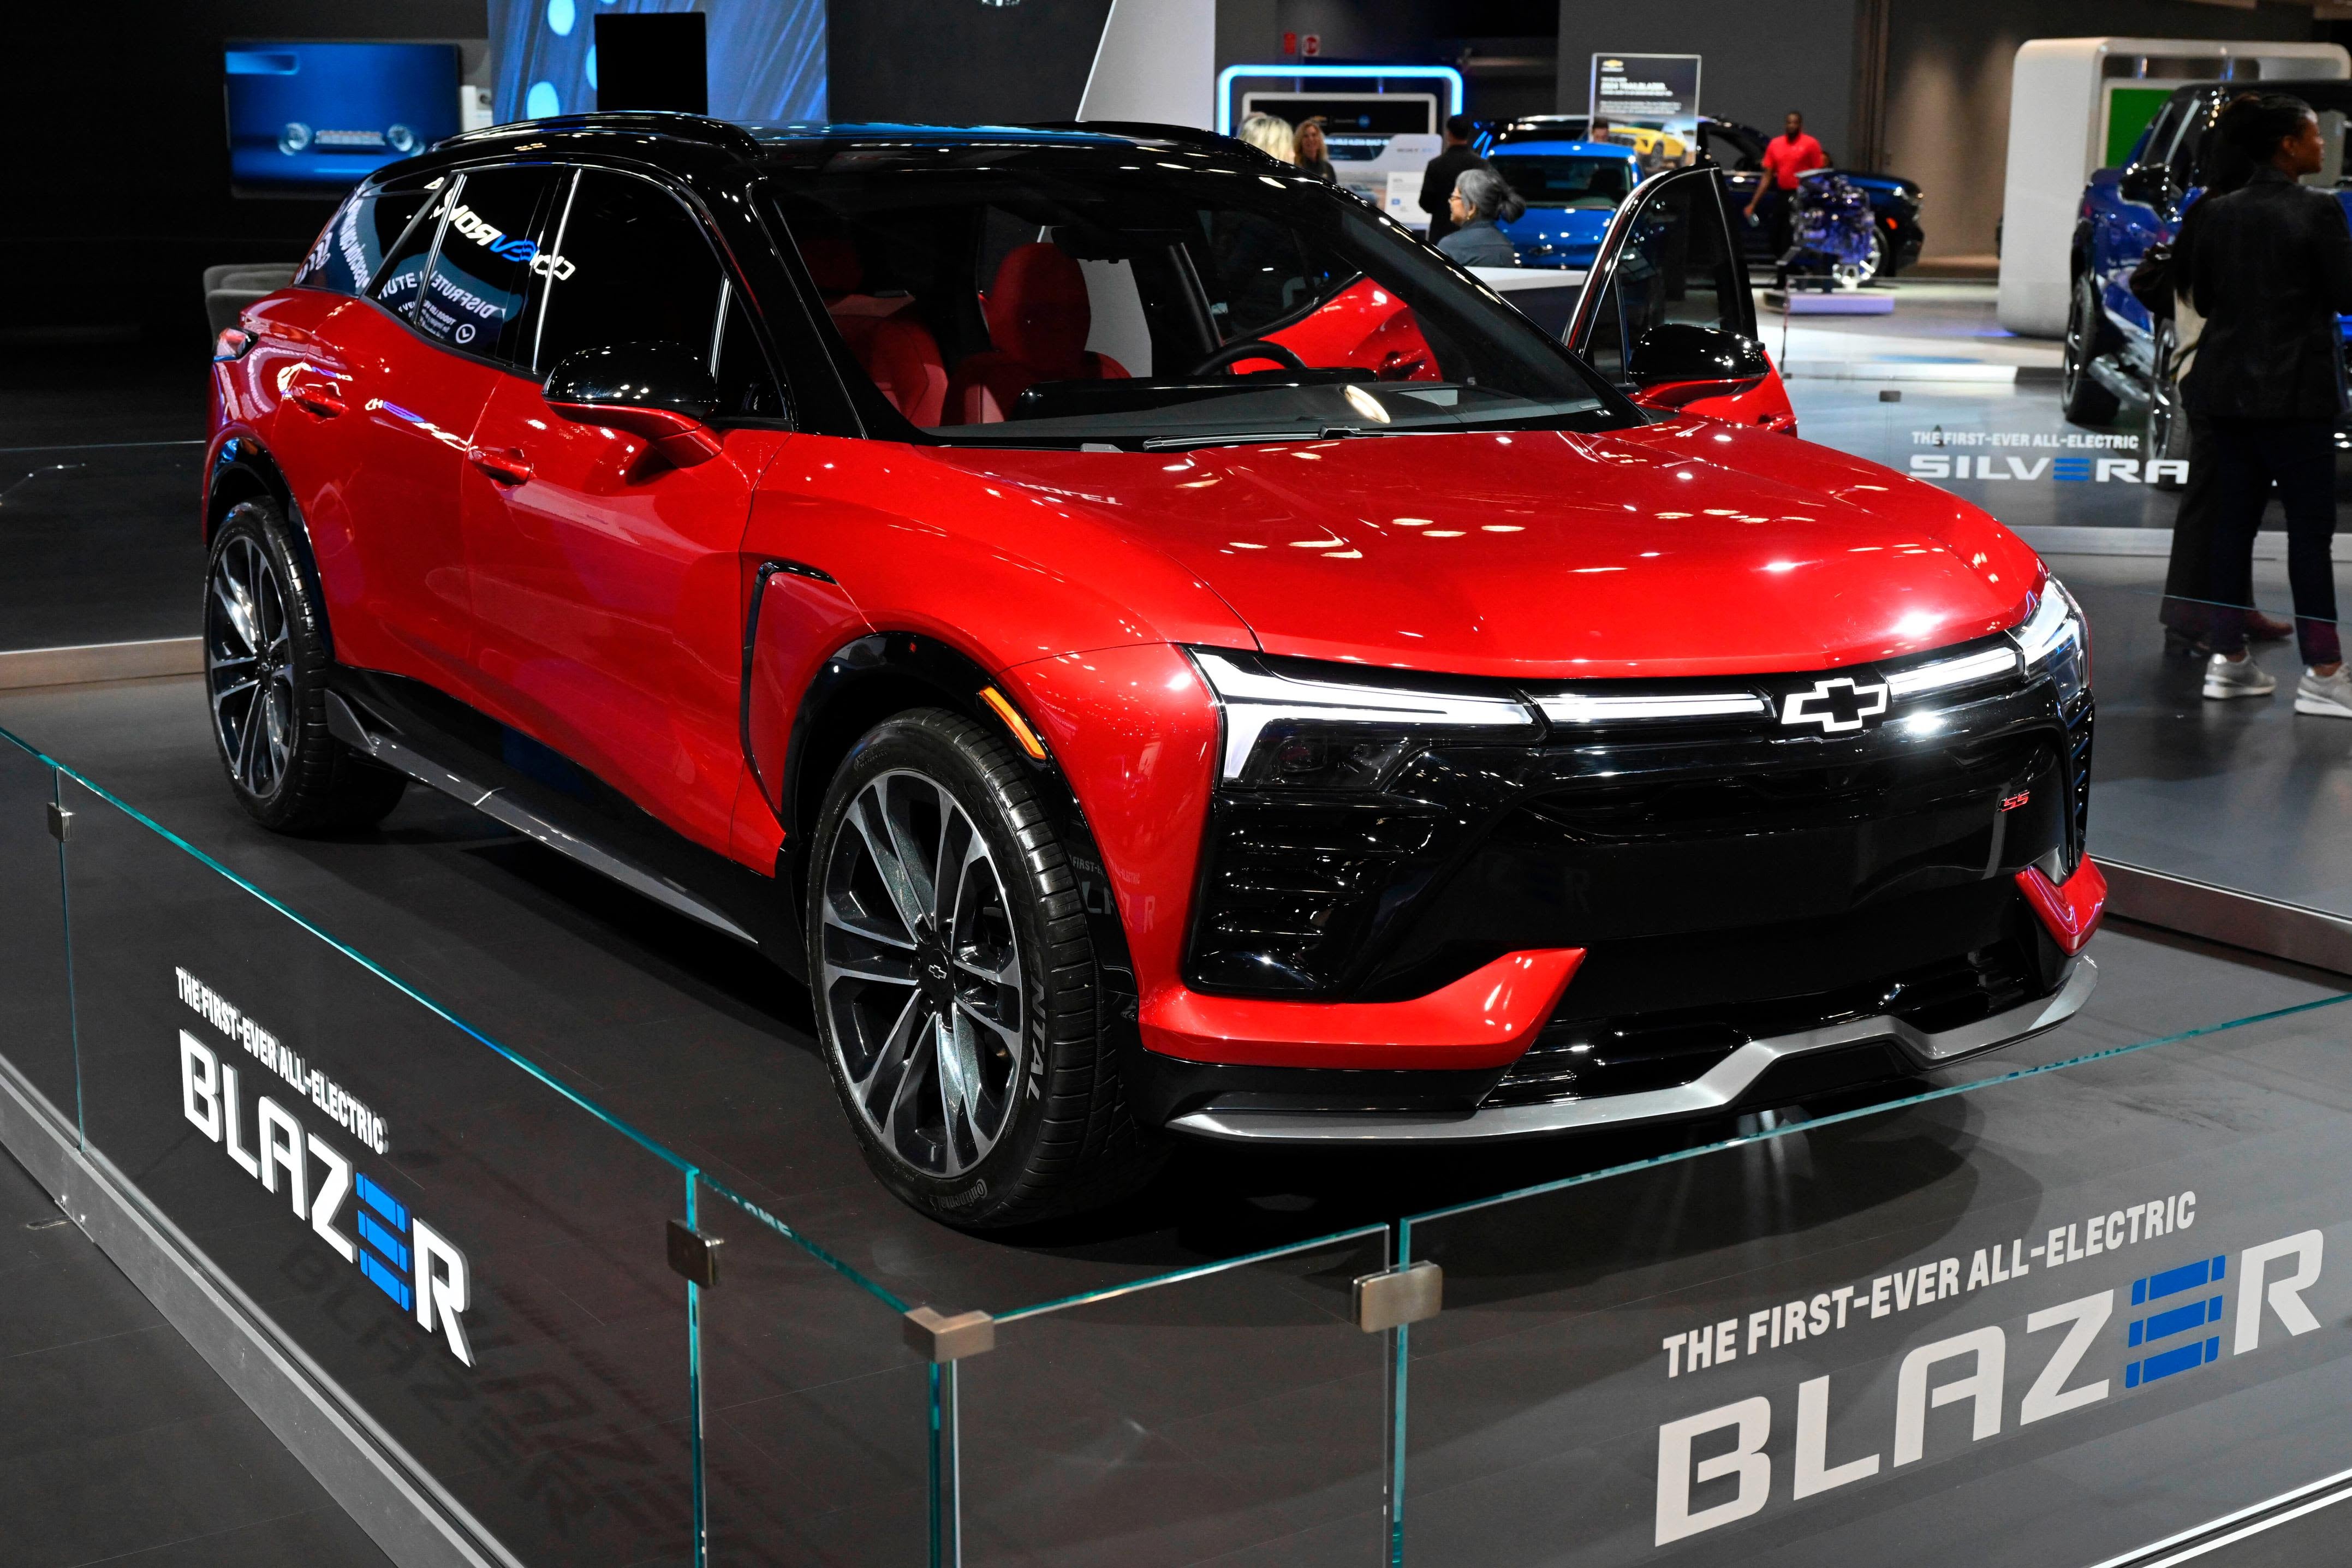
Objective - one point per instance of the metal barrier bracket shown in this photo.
(60, 822)
(937, 1337)
(694, 1255)
(1395, 1297)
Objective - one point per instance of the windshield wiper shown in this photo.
(1226, 438)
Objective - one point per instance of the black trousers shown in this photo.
(1774, 212)
(2189, 579)
(2249, 455)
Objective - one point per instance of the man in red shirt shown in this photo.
(1786, 156)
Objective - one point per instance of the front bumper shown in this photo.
(1761, 1074)
(1646, 918)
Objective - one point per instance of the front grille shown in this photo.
(1604, 836)
(1577, 1058)
(1294, 885)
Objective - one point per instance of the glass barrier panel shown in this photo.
(102, 547)
(1233, 1413)
(473, 1259)
(2052, 1317)
(35, 995)
(817, 1414)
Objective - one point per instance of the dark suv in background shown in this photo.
(2115, 352)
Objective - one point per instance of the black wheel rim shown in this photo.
(920, 975)
(2077, 343)
(249, 666)
(2162, 398)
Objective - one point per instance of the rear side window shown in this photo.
(363, 231)
(400, 276)
(629, 265)
(476, 290)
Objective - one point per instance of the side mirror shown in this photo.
(1685, 351)
(658, 390)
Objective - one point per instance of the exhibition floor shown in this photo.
(704, 1048)
(120, 1444)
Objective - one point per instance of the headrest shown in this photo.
(1038, 312)
(832, 263)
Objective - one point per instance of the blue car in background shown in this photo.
(1738, 149)
(1572, 189)
(2115, 352)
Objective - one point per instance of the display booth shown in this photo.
(522, 1207)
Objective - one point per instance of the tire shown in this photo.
(2166, 435)
(266, 666)
(1017, 1115)
(2082, 400)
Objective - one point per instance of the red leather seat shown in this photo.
(892, 347)
(1038, 320)
(904, 360)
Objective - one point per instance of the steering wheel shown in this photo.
(1249, 349)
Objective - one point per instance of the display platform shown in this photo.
(1183, 1379)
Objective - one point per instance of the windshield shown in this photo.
(1152, 297)
(1565, 180)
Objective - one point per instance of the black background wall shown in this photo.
(113, 117)
(949, 62)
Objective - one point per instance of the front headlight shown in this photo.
(2054, 636)
(1290, 724)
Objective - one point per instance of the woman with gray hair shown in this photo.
(1481, 199)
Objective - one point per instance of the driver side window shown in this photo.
(628, 264)
(1677, 268)
(1254, 272)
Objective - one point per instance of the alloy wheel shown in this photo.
(1872, 264)
(249, 666)
(920, 975)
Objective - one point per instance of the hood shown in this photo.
(1560, 225)
(1686, 549)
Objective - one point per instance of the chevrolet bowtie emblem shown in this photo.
(1837, 703)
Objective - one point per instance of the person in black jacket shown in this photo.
(1437, 180)
(2270, 270)
(2187, 607)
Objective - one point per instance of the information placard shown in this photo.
(1644, 90)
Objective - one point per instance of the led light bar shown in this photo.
(2056, 624)
(1575, 708)
(1946, 674)
(1254, 698)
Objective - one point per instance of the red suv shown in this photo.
(1157, 647)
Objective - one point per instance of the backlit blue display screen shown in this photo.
(325, 115)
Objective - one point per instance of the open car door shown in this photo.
(1667, 313)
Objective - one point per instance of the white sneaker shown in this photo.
(2329, 695)
(2238, 677)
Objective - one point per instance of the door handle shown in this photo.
(315, 398)
(506, 464)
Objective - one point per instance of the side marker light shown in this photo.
(1013, 722)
